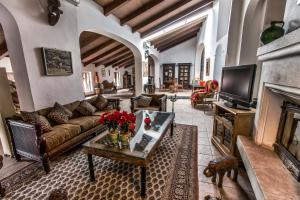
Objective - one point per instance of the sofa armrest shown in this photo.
(26, 139)
(115, 102)
(133, 103)
(163, 104)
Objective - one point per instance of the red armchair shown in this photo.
(204, 96)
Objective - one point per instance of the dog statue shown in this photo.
(220, 166)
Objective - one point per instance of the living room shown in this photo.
(149, 99)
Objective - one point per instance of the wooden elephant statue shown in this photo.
(220, 166)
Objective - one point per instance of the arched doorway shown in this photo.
(107, 63)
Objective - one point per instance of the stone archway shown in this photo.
(219, 63)
(200, 58)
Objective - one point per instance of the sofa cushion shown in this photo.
(60, 134)
(34, 118)
(86, 122)
(58, 115)
(63, 108)
(101, 103)
(144, 101)
(85, 108)
(99, 113)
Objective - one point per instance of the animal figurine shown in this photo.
(220, 166)
(53, 11)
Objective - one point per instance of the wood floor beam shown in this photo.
(159, 15)
(199, 7)
(113, 6)
(140, 11)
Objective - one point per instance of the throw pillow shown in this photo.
(58, 115)
(144, 101)
(34, 118)
(85, 108)
(64, 109)
(101, 103)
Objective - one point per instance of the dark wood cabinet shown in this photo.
(168, 72)
(126, 80)
(184, 72)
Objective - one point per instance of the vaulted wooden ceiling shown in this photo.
(101, 50)
(181, 34)
(3, 47)
(149, 16)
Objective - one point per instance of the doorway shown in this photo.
(202, 65)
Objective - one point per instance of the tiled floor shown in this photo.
(185, 114)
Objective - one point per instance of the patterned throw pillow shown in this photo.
(101, 103)
(144, 101)
(85, 108)
(34, 118)
(58, 115)
(66, 110)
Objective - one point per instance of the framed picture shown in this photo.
(145, 69)
(103, 72)
(207, 70)
(57, 62)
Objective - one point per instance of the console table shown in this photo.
(228, 124)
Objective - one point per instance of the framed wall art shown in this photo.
(57, 62)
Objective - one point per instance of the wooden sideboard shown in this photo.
(228, 124)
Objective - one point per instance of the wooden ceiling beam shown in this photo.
(90, 40)
(159, 15)
(116, 58)
(113, 6)
(129, 62)
(93, 51)
(121, 62)
(140, 11)
(176, 34)
(3, 50)
(106, 54)
(177, 42)
(113, 56)
(199, 7)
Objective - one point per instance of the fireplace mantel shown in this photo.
(287, 45)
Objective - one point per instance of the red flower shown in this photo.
(132, 126)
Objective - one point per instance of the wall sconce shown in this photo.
(53, 11)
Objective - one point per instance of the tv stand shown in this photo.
(228, 124)
(235, 106)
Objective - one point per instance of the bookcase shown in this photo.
(228, 124)
(184, 74)
(168, 72)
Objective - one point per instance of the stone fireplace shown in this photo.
(272, 157)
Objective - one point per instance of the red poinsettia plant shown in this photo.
(123, 120)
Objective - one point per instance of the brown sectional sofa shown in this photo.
(28, 141)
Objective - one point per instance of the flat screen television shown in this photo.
(237, 85)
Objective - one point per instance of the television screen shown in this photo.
(237, 83)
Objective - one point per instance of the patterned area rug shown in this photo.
(171, 174)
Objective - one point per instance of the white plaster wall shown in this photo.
(292, 13)
(5, 63)
(207, 39)
(31, 18)
(182, 53)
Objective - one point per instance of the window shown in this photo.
(117, 79)
(87, 82)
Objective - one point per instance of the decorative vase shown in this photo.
(273, 32)
(124, 138)
(114, 136)
(147, 120)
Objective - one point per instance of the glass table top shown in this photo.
(145, 139)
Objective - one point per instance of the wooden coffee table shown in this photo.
(141, 147)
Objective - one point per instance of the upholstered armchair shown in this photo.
(156, 102)
(107, 87)
(205, 96)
